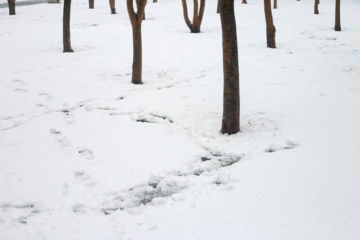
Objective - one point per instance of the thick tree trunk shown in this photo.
(136, 20)
(66, 26)
(112, 6)
(337, 16)
(270, 28)
(275, 4)
(197, 17)
(91, 4)
(11, 7)
(316, 7)
(137, 58)
(231, 105)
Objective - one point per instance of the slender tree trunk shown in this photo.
(316, 7)
(231, 105)
(136, 20)
(66, 26)
(112, 6)
(197, 17)
(91, 4)
(137, 5)
(275, 4)
(270, 28)
(244, 1)
(218, 7)
(337, 16)
(11, 7)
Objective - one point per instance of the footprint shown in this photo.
(85, 179)
(62, 141)
(289, 144)
(86, 153)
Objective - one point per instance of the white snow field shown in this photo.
(86, 155)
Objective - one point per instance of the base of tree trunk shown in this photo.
(337, 28)
(11, 7)
(271, 38)
(113, 11)
(91, 4)
(68, 50)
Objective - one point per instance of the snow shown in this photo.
(85, 154)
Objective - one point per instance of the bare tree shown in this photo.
(66, 26)
(112, 6)
(91, 4)
(316, 7)
(270, 28)
(197, 17)
(11, 7)
(337, 16)
(231, 103)
(136, 20)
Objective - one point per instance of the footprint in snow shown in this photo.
(289, 144)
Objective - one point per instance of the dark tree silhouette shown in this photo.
(337, 16)
(270, 28)
(11, 7)
(136, 20)
(91, 4)
(316, 7)
(66, 26)
(112, 6)
(197, 17)
(231, 103)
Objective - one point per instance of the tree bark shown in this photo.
(270, 28)
(91, 4)
(11, 7)
(136, 20)
(66, 26)
(275, 4)
(197, 16)
(112, 6)
(316, 7)
(231, 103)
(337, 16)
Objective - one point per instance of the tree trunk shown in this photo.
(244, 1)
(136, 20)
(66, 26)
(337, 16)
(270, 28)
(112, 6)
(316, 7)
(11, 7)
(137, 5)
(155, 1)
(218, 7)
(231, 103)
(275, 4)
(197, 16)
(91, 4)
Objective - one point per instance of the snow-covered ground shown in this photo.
(84, 154)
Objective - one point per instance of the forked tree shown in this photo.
(112, 6)
(337, 16)
(66, 26)
(136, 20)
(91, 4)
(11, 7)
(275, 4)
(316, 7)
(231, 102)
(197, 17)
(137, 5)
(270, 28)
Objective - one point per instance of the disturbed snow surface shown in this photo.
(84, 154)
